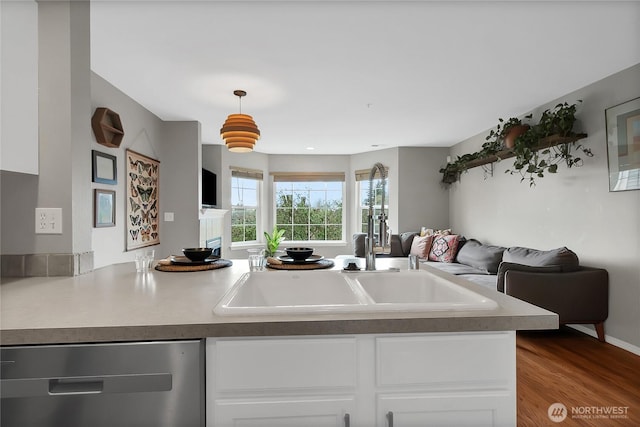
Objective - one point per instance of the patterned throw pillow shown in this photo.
(444, 248)
(420, 246)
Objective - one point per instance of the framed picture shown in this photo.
(104, 167)
(104, 208)
(623, 145)
(142, 200)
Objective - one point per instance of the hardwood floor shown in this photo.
(598, 383)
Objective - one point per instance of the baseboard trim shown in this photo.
(608, 338)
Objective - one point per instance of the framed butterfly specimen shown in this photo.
(142, 193)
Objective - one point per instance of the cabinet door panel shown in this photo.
(488, 409)
(275, 364)
(458, 360)
(320, 412)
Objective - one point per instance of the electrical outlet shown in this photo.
(48, 220)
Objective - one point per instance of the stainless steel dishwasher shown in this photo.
(120, 384)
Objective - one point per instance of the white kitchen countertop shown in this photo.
(115, 303)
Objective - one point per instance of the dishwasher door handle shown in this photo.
(64, 386)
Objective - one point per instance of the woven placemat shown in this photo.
(219, 263)
(323, 263)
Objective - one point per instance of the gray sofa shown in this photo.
(552, 279)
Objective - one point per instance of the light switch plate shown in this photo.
(168, 216)
(48, 221)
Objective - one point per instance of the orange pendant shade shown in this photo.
(239, 131)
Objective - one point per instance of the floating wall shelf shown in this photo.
(107, 127)
(547, 142)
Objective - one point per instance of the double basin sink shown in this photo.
(290, 292)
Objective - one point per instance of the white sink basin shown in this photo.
(417, 290)
(282, 292)
(266, 292)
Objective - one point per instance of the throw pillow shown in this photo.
(444, 248)
(424, 231)
(482, 257)
(420, 246)
(565, 258)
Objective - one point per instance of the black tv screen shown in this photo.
(209, 189)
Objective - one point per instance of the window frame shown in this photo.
(311, 177)
(257, 176)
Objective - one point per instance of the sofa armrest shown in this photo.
(577, 297)
(359, 244)
(396, 246)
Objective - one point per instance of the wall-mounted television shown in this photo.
(209, 184)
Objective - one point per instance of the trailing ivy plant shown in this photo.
(532, 161)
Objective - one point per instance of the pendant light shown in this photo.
(239, 131)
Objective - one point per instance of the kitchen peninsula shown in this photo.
(115, 303)
(333, 369)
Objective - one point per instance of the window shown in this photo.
(362, 189)
(309, 206)
(245, 204)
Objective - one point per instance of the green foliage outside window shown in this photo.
(309, 210)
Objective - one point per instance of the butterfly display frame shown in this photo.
(143, 179)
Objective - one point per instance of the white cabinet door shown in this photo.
(19, 86)
(283, 412)
(480, 409)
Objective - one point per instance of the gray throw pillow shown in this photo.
(563, 257)
(483, 257)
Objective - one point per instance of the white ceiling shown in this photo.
(354, 76)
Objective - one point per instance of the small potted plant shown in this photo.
(506, 133)
(273, 241)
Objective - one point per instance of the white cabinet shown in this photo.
(19, 86)
(363, 380)
(316, 411)
(459, 409)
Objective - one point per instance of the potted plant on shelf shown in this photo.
(506, 133)
(533, 159)
(273, 240)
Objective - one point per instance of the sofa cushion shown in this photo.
(420, 246)
(563, 257)
(444, 248)
(483, 257)
(486, 280)
(454, 268)
(506, 266)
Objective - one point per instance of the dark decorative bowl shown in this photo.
(299, 254)
(197, 254)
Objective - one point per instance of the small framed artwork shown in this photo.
(104, 208)
(104, 168)
(623, 145)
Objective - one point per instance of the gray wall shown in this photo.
(423, 198)
(573, 208)
(143, 132)
(64, 97)
(177, 146)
